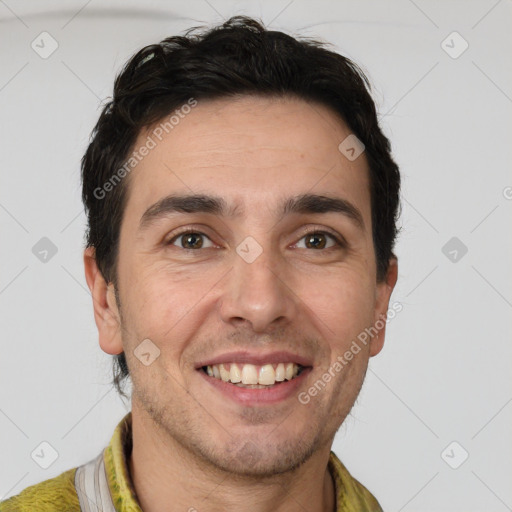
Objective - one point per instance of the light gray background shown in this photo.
(444, 373)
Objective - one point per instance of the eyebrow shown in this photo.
(200, 203)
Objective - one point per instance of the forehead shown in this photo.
(253, 151)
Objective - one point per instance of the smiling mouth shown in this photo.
(253, 376)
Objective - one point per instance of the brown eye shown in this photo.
(189, 240)
(318, 240)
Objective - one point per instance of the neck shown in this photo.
(164, 472)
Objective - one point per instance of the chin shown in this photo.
(261, 458)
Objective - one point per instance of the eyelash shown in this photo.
(340, 243)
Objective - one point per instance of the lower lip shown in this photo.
(258, 396)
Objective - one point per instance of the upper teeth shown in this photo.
(267, 375)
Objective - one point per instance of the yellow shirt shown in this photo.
(105, 484)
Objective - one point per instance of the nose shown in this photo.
(259, 292)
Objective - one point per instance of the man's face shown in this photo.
(210, 296)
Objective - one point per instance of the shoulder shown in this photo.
(351, 494)
(54, 495)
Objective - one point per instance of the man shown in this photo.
(242, 207)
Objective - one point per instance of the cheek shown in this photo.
(342, 303)
(166, 307)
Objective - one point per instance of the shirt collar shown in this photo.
(350, 494)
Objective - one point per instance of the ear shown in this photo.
(106, 314)
(383, 295)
